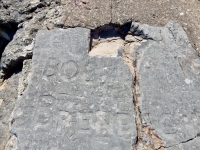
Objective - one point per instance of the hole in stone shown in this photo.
(108, 40)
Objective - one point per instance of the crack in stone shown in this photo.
(189, 140)
(146, 135)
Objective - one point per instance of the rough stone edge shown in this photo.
(25, 74)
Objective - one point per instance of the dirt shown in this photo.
(155, 12)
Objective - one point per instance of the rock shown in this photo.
(51, 14)
(9, 92)
(24, 77)
(111, 48)
(168, 81)
(145, 31)
(20, 48)
(74, 101)
(130, 38)
(8, 96)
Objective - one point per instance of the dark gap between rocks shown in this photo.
(17, 68)
(7, 31)
(109, 31)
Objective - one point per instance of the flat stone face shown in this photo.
(74, 101)
(168, 83)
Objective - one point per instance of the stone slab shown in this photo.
(73, 101)
(168, 82)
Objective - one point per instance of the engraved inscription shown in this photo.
(78, 102)
(69, 69)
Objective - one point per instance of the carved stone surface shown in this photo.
(168, 83)
(74, 101)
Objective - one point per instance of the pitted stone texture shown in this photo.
(74, 101)
(168, 83)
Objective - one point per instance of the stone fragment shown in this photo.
(24, 77)
(130, 38)
(8, 96)
(111, 48)
(19, 49)
(168, 81)
(74, 101)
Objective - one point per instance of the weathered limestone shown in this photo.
(74, 101)
(167, 83)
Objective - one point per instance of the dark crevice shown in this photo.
(183, 142)
(7, 32)
(110, 30)
(14, 70)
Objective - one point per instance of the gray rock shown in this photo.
(21, 46)
(168, 83)
(48, 14)
(19, 49)
(145, 31)
(8, 96)
(74, 101)
(24, 77)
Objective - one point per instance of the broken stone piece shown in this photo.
(130, 38)
(111, 48)
(74, 101)
(167, 86)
